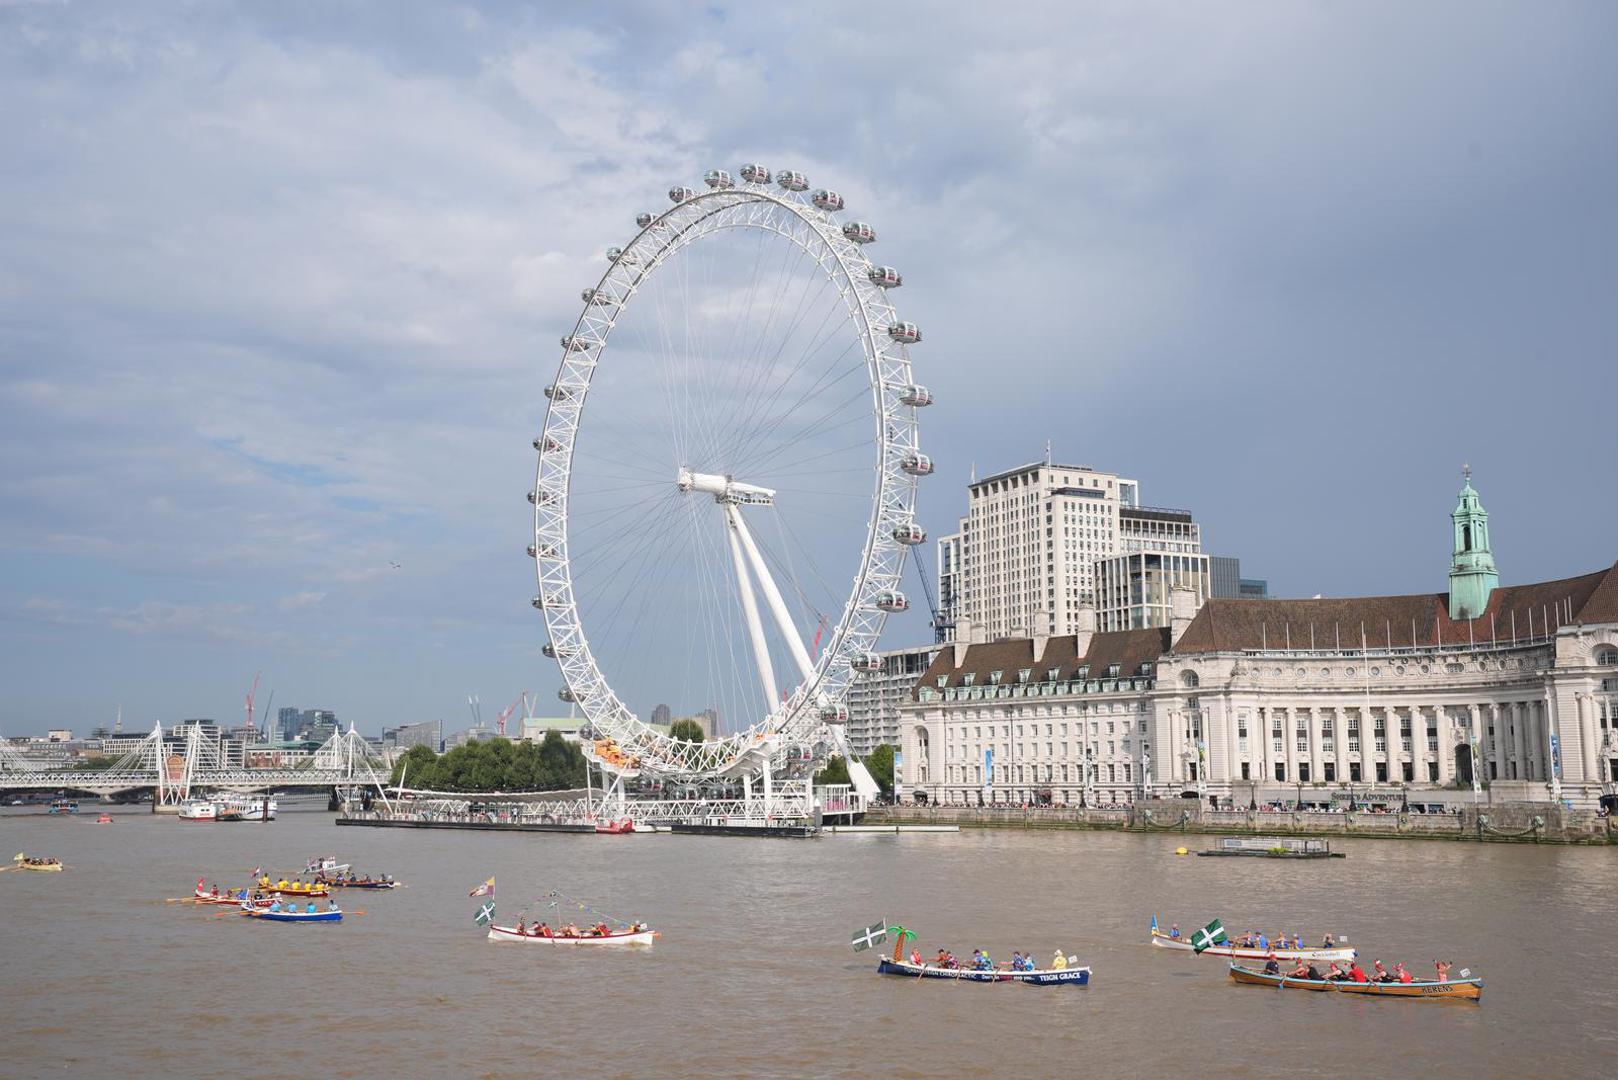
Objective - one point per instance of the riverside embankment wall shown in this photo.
(1498, 822)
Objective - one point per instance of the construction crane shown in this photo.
(505, 714)
(941, 625)
(250, 695)
(264, 731)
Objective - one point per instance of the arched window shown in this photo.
(1607, 656)
(1189, 679)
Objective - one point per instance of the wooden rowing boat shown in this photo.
(1463, 989)
(202, 896)
(509, 933)
(1164, 941)
(38, 865)
(1073, 976)
(313, 891)
(358, 883)
(293, 916)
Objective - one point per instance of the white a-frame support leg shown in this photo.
(755, 629)
(772, 595)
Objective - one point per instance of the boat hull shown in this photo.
(1163, 941)
(1458, 989)
(295, 916)
(1073, 976)
(359, 884)
(53, 868)
(225, 898)
(509, 933)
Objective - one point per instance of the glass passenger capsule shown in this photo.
(916, 394)
(917, 465)
(827, 200)
(867, 662)
(533, 551)
(546, 445)
(885, 276)
(910, 534)
(549, 650)
(892, 601)
(678, 195)
(617, 254)
(859, 232)
(538, 602)
(718, 178)
(567, 695)
(575, 344)
(754, 173)
(834, 714)
(595, 298)
(791, 180)
(558, 393)
(644, 220)
(905, 333)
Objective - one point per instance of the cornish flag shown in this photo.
(1209, 936)
(871, 935)
(486, 914)
(486, 889)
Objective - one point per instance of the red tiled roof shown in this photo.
(1421, 620)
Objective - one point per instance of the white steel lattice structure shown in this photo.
(799, 718)
(344, 761)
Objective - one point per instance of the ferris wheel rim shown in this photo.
(888, 367)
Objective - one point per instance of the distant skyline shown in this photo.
(281, 288)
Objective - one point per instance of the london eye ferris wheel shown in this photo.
(725, 498)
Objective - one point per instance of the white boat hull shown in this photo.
(1163, 941)
(509, 933)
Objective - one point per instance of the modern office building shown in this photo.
(874, 698)
(1134, 589)
(1224, 576)
(1253, 589)
(429, 733)
(1023, 558)
(1487, 691)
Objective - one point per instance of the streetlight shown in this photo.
(1298, 803)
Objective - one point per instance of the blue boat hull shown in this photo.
(1074, 976)
(296, 916)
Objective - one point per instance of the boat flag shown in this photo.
(258, 871)
(485, 914)
(875, 934)
(486, 889)
(1209, 936)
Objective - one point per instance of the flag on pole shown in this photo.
(258, 871)
(1209, 936)
(875, 934)
(485, 914)
(486, 889)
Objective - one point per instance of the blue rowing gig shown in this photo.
(1073, 976)
(295, 916)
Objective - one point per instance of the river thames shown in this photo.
(754, 975)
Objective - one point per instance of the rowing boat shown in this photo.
(1164, 941)
(1073, 976)
(39, 866)
(358, 883)
(294, 916)
(313, 890)
(202, 896)
(510, 933)
(1464, 989)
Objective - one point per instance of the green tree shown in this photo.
(880, 763)
(687, 729)
(835, 772)
(413, 764)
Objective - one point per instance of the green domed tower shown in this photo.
(1472, 576)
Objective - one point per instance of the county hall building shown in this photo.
(1486, 691)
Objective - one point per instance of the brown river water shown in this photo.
(754, 975)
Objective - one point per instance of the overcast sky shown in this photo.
(280, 287)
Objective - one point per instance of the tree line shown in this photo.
(554, 764)
(879, 761)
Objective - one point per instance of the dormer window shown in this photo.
(943, 681)
(1083, 672)
(969, 678)
(1023, 673)
(1113, 670)
(1052, 674)
(994, 678)
(1146, 668)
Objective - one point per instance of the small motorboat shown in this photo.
(1465, 989)
(1239, 952)
(37, 863)
(288, 915)
(1070, 976)
(198, 810)
(637, 934)
(104, 819)
(327, 865)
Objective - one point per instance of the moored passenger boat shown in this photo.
(1467, 989)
